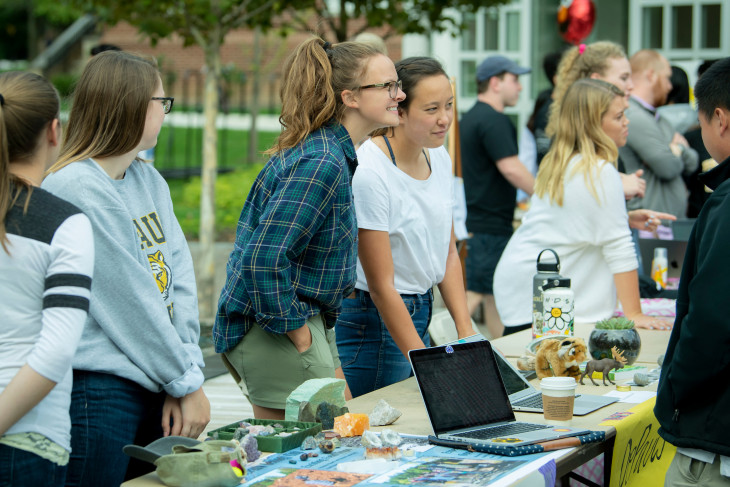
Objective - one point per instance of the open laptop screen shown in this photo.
(461, 389)
(513, 380)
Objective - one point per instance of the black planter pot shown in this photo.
(628, 341)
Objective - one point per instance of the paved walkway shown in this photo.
(227, 403)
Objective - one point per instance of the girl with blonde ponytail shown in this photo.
(579, 211)
(295, 253)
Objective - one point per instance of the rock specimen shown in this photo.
(383, 446)
(384, 414)
(315, 391)
(351, 424)
(251, 447)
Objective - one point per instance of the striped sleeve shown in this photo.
(65, 298)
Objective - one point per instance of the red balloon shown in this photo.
(576, 19)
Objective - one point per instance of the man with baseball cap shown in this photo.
(491, 172)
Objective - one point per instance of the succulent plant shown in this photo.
(615, 323)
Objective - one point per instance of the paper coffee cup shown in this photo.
(558, 397)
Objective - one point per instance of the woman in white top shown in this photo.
(578, 210)
(403, 200)
(46, 262)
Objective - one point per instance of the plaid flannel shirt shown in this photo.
(295, 253)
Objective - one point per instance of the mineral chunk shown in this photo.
(327, 446)
(327, 412)
(390, 438)
(306, 412)
(351, 424)
(641, 379)
(315, 391)
(309, 443)
(371, 440)
(251, 447)
(384, 414)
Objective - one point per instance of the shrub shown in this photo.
(231, 190)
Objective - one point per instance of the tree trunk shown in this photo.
(253, 136)
(207, 302)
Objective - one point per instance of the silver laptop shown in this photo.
(675, 254)
(524, 397)
(466, 400)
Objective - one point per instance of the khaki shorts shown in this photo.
(268, 367)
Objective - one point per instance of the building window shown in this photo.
(468, 35)
(652, 27)
(710, 35)
(491, 30)
(682, 27)
(513, 31)
(468, 79)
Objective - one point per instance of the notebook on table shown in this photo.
(526, 398)
(466, 400)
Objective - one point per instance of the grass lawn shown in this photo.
(181, 148)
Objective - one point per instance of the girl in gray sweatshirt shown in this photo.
(137, 371)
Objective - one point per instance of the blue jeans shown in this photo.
(370, 358)
(20, 468)
(107, 413)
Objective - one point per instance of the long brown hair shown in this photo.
(109, 108)
(28, 105)
(314, 77)
(574, 66)
(579, 131)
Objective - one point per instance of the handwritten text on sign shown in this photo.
(640, 456)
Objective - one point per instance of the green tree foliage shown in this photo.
(347, 18)
(204, 23)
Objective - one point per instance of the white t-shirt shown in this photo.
(417, 214)
(592, 239)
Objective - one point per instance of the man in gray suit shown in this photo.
(653, 145)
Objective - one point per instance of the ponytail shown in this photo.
(28, 104)
(575, 65)
(314, 77)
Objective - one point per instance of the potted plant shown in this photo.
(616, 332)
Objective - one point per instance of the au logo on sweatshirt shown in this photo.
(150, 234)
(150, 231)
(162, 272)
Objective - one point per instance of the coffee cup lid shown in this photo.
(558, 383)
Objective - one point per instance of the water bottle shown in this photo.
(546, 271)
(557, 308)
(659, 267)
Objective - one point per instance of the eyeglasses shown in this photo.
(166, 102)
(393, 87)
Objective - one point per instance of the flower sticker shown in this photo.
(557, 315)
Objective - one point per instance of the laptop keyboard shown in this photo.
(530, 402)
(504, 430)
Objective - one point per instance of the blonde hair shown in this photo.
(574, 66)
(579, 131)
(314, 77)
(109, 108)
(29, 105)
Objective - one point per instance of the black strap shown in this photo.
(392, 156)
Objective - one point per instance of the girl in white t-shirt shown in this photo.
(403, 200)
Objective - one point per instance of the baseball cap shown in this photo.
(160, 447)
(495, 65)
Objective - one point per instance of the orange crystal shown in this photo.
(351, 424)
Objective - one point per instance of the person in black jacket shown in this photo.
(693, 400)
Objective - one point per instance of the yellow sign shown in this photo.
(640, 456)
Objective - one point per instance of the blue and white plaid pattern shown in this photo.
(295, 251)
